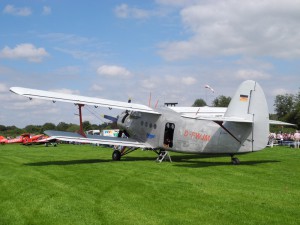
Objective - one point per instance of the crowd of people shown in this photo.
(291, 139)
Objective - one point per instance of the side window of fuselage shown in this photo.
(169, 134)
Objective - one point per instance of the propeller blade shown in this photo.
(111, 118)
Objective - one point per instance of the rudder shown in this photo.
(249, 102)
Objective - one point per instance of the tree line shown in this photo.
(12, 131)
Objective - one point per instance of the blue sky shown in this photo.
(129, 49)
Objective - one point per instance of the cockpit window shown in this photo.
(135, 115)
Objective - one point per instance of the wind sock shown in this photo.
(210, 88)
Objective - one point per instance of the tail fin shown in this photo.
(249, 102)
(246, 120)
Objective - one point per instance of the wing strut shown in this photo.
(80, 120)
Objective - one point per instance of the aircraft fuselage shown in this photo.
(171, 131)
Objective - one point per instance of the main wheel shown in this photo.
(116, 156)
(235, 161)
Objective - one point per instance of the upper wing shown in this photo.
(95, 139)
(54, 96)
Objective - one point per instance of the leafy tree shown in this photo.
(86, 125)
(33, 129)
(287, 108)
(12, 131)
(3, 128)
(199, 102)
(48, 126)
(106, 126)
(95, 127)
(297, 108)
(221, 101)
(73, 128)
(283, 105)
(62, 126)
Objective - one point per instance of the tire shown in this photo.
(235, 161)
(116, 156)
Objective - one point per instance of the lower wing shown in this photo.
(95, 139)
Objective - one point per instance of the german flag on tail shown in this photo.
(243, 98)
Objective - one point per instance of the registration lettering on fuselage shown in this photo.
(196, 135)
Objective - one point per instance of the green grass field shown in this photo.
(72, 184)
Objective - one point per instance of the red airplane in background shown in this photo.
(26, 139)
(19, 139)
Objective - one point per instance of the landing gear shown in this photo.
(234, 160)
(121, 151)
(116, 156)
(50, 144)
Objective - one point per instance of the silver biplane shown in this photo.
(243, 127)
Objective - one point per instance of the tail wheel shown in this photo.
(116, 156)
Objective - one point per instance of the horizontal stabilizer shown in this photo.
(236, 119)
(221, 119)
(276, 122)
(200, 111)
(77, 99)
(94, 139)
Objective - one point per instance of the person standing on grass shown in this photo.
(297, 138)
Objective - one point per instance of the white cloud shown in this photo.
(249, 28)
(12, 10)
(97, 87)
(188, 80)
(252, 75)
(24, 51)
(3, 88)
(167, 83)
(254, 63)
(113, 71)
(279, 91)
(175, 80)
(151, 83)
(124, 11)
(46, 10)
(176, 2)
